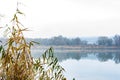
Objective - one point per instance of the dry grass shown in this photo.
(16, 62)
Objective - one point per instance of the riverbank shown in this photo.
(80, 48)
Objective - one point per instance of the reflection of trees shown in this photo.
(78, 55)
(70, 55)
(64, 56)
(108, 56)
(116, 57)
(104, 56)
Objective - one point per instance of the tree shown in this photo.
(105, 41)
(58, 40)
(117, 40)
(76, 41)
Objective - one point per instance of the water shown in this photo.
(88, 66)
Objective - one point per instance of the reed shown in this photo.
(16, 62)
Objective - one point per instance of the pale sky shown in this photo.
(70, 18)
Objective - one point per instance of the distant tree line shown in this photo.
(105, 41)
(60, 40)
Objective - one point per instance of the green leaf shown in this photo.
(35, 42)
(50, 64)
(1, 48)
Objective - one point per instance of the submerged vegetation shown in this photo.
(16, 62)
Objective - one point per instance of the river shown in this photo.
(87, 65)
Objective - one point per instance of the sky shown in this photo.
(70, 18)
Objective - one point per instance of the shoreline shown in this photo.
(79, 48)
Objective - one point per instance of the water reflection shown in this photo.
(86, 69)
(88, 65)
(101, 56)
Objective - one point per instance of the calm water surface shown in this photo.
(88, 66)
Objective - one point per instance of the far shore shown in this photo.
(79, 48)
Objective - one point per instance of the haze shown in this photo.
(70, 18)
